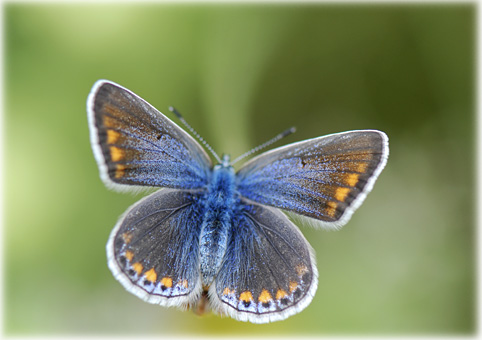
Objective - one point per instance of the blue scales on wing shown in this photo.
(324, 179)
(154, 248)
(137, 145)
(268, 271)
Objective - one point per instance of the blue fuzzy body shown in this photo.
(220, 203)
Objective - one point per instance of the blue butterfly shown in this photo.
(212, 237)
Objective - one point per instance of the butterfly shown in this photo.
(212, 237)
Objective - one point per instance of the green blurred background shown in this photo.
(240, 74)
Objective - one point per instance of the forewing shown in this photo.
(268, 271)
(324, 179)
(153, 250)
(135, 144)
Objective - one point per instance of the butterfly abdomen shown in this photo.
(219, 201)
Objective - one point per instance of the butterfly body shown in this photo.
(220, 204)
(213, 237)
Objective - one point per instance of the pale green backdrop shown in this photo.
(240, 74)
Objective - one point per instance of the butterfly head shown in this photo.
(225, 162)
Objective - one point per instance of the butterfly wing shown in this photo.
(135, 144)
(268, 272)
(153, 249)
(324, 179)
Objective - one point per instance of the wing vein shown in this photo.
(261, 226)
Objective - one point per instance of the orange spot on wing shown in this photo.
(129, 255)
(166, 281)
(116, 154)
(127, 237)
(246, 296)
(341, 193)
(281, 294)
(331, 208)
(138, 267)
(352, 179)
(293, 286)
(265, 296)
(227, 291)
(151, 275)
(112, 136)
(109, 121)
(362, 167)
(185, 283)
(119, 170)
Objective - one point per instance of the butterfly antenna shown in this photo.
(189, 127)
(262, 146)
